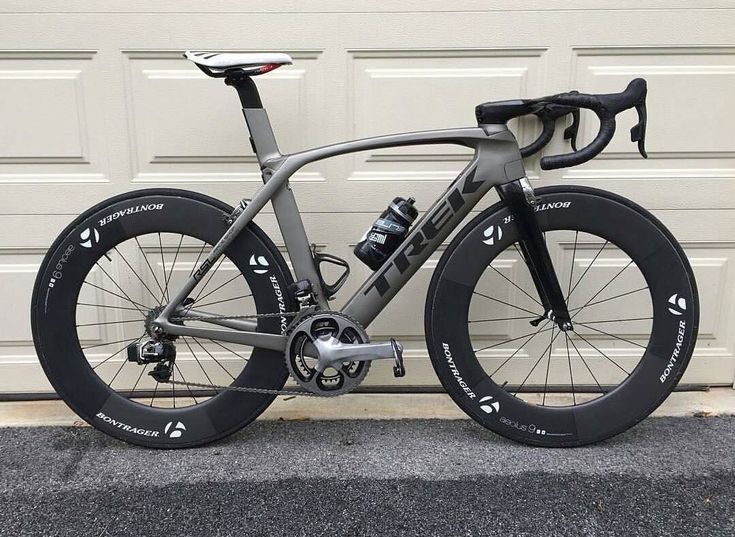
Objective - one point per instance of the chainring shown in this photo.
(301, 359)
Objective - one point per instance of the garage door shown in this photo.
(96, 100)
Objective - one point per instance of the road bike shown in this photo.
(559, 316)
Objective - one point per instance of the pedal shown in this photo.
(398, 369)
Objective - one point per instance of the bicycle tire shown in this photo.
(674, 306)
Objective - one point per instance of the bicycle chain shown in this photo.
(246, 389)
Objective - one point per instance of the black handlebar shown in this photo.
(549, 114)
(605, 107)
(550, 109)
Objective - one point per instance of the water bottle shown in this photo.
(386, 233)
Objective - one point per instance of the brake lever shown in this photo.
(570, 133)
(638, 131)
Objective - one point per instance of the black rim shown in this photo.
(505, 409)
(55, 317)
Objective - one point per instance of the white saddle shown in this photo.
(253, 63)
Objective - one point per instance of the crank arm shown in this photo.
(332, 351)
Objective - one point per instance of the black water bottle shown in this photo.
(386, 233)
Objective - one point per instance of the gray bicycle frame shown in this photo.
(496, 161)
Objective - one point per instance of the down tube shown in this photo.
(486, 170)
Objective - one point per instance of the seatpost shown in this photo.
(262, 138)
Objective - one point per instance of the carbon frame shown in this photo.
(496, 161)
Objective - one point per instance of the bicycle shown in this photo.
(167, 318)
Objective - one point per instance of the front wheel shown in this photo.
(633, 301)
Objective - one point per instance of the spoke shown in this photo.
(116, 374)
(198, 362)
(515, 285)
(163, 267)
(139, 377)
(571, 377)
(109, 322)
(209, 279)
(145, 257)
(588, 268)
(506, 303)
(603, 288)
(608, 299)
(503, 319)
(106, 306)
(199, 256)
(221, 301)
(155, 390)
(186, 382)
(537, 361)
(124, 294)
(598, 350)
(520, 254)
(116, 353)
(137, 275)
(548, 366)
(612, 335)
(521, 346)
(173, 386)
(173, 265)
(213, 358)
(228, 349)
(616, 320)
(585, 364)
(509, 340)
(236, 276)
(571, 271)
(111, 343)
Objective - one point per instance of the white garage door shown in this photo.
(96, 100)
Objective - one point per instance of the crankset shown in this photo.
(327, 353)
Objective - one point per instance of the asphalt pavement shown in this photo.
(343, 478)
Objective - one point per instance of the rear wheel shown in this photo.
(633, 301)
(109, 275)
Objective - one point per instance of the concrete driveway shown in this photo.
(402, 477)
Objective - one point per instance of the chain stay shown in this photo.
(245, 389)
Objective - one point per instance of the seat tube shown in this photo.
(263, 142)
(262, 138)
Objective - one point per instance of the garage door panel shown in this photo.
(685, 89)
(386, 81)
(51, 131)
(97, 100)
(185, 126)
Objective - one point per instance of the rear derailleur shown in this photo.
(162, 353)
